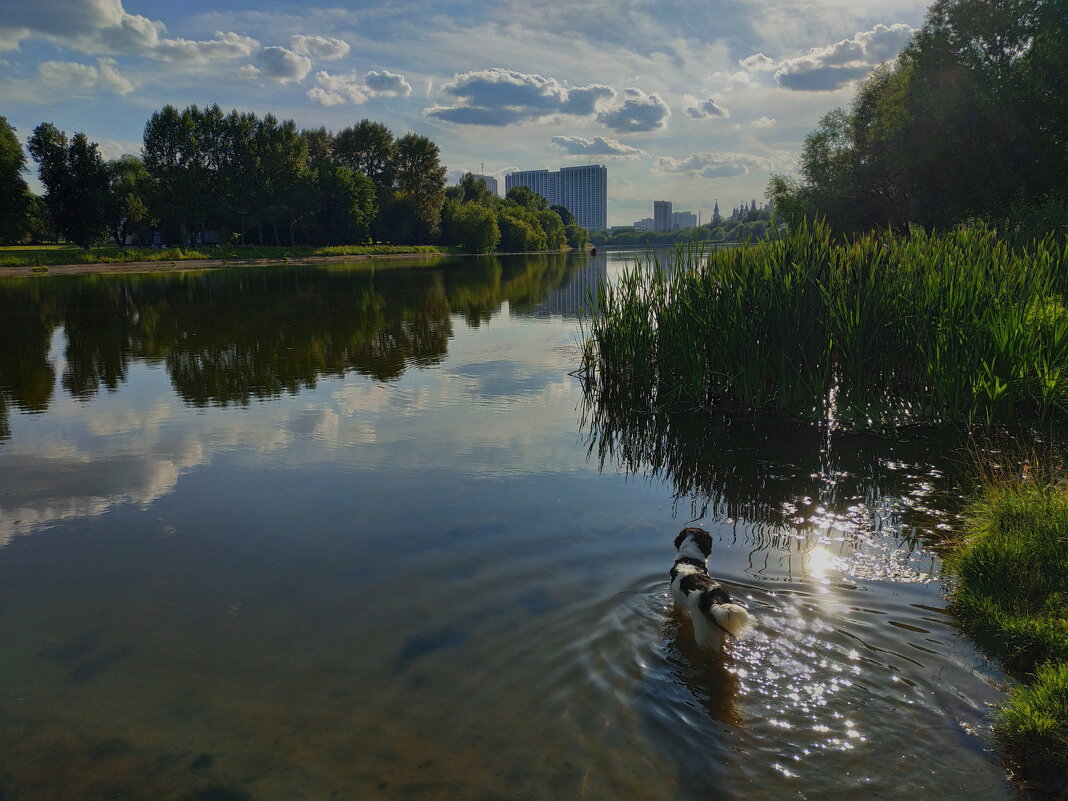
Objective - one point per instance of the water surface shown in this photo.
(329, 532)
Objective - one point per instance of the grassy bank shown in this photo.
(1012, 598)
(882, 329)
(70, 254)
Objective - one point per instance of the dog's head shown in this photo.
(701, 538)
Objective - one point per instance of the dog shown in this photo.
(715, 616)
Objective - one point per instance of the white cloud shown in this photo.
(224, 47)
(334, 90)
(598, 146)
(501, 97)
(386, 84)
(762, 122)
(279, 64)
(639, 112)
(703, 109)
(836, 65)
(714, 165)
(327, 98)
(758, 62)
(105, 27)
(321, 47)
(81, 79)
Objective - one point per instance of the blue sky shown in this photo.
(688, 102)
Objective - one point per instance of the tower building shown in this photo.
(581, 190)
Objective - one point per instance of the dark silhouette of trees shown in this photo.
(16, 202)
(967, 123)
(77, 186)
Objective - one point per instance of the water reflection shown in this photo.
(315, 533)
(233, 336)
(810, 498)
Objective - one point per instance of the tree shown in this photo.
(369, 149)
(76, 180)
(527, 198)
(420, 180)
(474, 190)
(475, 229)
(347, 204)
(283, 195)
(520, 233)
(170, 156)
(566, 217)
(15, 198)
(129, 183)
(577, 236)
(551, 224)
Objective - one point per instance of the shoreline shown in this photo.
(179, 265)
(163, 266)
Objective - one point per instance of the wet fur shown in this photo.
(714, 614)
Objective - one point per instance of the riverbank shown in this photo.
(205, 260)
(1012, 599)
(65, 257)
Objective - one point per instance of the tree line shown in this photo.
(480, 222)
(205, 177)
(754, 224)
(967, 123)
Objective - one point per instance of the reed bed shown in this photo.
(882, 329)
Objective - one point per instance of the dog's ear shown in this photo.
(704, 542)
(681, 536)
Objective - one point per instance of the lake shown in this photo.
(337, 532)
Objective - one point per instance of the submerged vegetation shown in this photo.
(879, 330)
(1012, 597)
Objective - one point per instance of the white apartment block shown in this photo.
(581, 190)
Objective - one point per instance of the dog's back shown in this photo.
(711, 609)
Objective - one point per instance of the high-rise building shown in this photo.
(536, 180)
(662, 215)
(491, 183)
(581, 190)
(683, 219)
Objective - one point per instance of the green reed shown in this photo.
(877, 330)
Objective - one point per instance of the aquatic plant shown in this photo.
(876, 330)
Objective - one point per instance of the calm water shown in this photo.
(323, 533)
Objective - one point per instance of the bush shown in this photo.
(475, 228)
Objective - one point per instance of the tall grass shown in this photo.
(880, 329)
(1012, 597)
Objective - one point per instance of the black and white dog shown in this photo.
(713, 613)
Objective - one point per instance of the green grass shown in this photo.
(44, 255)
(1012, 598)
(1032, 731)
(1012, 594)
(879, 330)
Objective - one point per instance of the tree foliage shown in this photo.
(15, 198)
(966, 123)
(475, 228)
(77, 184)
(243, 176)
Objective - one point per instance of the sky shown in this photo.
(688, 102)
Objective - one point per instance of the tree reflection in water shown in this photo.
(230, 337)
(787, 483)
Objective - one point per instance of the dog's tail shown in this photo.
(732, 618)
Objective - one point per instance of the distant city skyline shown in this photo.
(684, 101)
